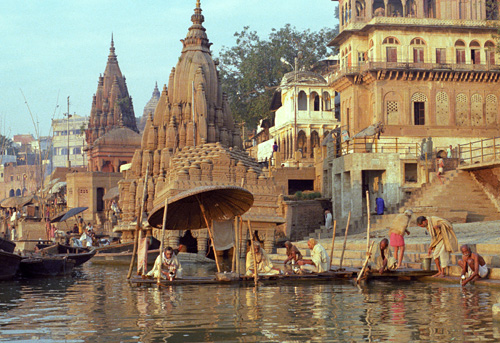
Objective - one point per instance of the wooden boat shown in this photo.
(46, 266)
(79, 255)
(9, 264)
(7, 245)
(345, 274)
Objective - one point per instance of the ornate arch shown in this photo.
(476, 110)
(461, 110)
(491, 109)
(442, 109)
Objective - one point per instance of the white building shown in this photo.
(74, 141)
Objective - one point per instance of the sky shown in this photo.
(53, 49)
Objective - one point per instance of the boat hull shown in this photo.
(46, 266)
(9, 264)
(7, 245)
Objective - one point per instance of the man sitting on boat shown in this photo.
(264, 265)
(382, 260)
(86, 239)
(171, 267)
(293, 256)
(319, 258)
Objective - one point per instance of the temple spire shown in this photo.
(112, 55)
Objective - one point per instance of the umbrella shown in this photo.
(193, 209)
(113, 193)
(67, 214)
(18, 201)
(219, 202)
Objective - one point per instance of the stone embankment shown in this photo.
(483, 237)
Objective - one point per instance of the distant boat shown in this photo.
(46, 266)
(79, 255)
(9, 264)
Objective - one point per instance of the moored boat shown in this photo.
(46, 266)
(9, 264)
(7, 245)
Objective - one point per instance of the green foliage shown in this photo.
(299, 195)
(252, 69)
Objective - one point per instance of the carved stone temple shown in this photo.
(193, 141)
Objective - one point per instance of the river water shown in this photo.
(96, 304)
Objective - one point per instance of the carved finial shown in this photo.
(198, 5)
(112, 41)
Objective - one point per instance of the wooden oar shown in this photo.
(368, 254)
(333, 243)
(158, 280)
(345, 240)
(255, 272)
(138, 226)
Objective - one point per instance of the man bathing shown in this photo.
(473, 265)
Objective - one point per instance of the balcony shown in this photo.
(372, 66)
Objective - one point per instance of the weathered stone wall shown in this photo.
(302, 218)
(489, 179)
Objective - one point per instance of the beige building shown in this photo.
(69, 136)
(420, 69)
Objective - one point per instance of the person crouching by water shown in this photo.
(443, 241)
(293, 257)
(171, 267)
(473, 265)
(319, 258)
(382, 259)
(264, 265)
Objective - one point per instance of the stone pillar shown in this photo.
(201, 238)
(269, 240)
(172, 238)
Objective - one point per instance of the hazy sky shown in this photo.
(53, 49)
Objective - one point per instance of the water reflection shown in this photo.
(97, 304)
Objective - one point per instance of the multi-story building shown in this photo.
(415, 69)
(69, 141)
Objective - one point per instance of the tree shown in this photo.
(7, 146)
(252, 69)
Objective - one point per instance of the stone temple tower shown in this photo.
(192, 141)
(111, 104)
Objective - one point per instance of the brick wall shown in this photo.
(303, 217)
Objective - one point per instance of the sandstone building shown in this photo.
(149, 108)
(419, 68)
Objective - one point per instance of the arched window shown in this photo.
(475, 52)
(418, 50)
(460, 51)
(18, 192)
(302, 101)
(12, 193)
(315, 103)
(391, 40)
(391, 52)
(489, 46)
(314, 142)
(302, 142)
(327, 102)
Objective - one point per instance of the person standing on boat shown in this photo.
(319, 257)
(382, 259)
(80, 225)
(171, 267)
(397, 231)
(264, 265)
(443, 241)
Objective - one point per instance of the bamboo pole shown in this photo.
(138, 226)
(333, 243)
(233, 267)
(163, 228)
(368, 224)
(368, 254)
(255, 271)
(210, 233)
(345, 241)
